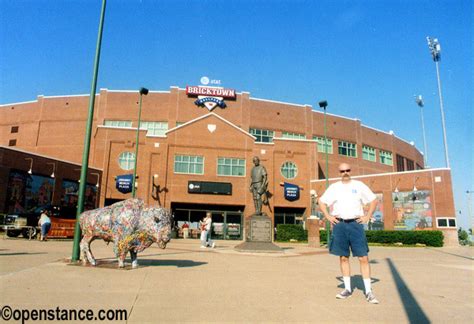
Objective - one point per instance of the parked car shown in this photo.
(27, 223)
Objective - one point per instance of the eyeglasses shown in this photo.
(345, 171)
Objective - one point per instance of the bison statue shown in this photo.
(129, 225)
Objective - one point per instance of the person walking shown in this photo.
(45, 224)
(347, 198)
(206, 232)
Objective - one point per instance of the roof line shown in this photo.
(45, 156)
(383, 174)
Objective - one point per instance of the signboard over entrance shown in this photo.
(210, 97)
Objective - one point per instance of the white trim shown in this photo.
(295, 139)
(206, 116)
(46, 157)
(67, 96)
(18, 103)
(384, 174)
(278, 102)
(375, 129)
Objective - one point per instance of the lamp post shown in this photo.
(420, 103)
(142, 91)
(435, 49)
(87, 138)
(324, 104)
(469, 202)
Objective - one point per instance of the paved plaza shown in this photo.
(187, 284)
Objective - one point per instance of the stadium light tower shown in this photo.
(142, 91)
(324, 104)
(435, 49)
(420, 103)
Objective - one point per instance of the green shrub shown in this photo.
(286, 232)
(430, 238)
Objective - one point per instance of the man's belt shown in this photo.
(347, 220)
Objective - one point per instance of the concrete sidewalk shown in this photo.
(187, 284)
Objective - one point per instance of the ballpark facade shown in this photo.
(195, 153)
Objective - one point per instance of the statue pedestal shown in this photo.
(258, 235)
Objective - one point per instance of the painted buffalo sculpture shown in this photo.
(129, 225)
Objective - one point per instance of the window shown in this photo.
(12, 142)
(118, 123)
(126, 161)
(446, 222)
(230, 167)
(154, 128)
(179, 123)
(14, 129)
(189, 164)
(410, 165)
(400, 163)
(347, 149)
(293, 135)
(262, 135)
(386, 157)
(320, 141)
(289, 170)
(368, 153)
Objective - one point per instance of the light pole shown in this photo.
(142, 91)
(87, 139)
(324, 104)
(469, 202)
(435, 49)
(420, 103)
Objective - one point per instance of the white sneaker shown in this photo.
(203, 247)
(371, 298)
(213, 245)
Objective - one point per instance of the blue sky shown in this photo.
(367, 58)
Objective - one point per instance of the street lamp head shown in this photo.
(143, 91)
(323, 104)
(419, 100)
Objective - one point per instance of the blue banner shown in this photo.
(124, 183)
(292, 191)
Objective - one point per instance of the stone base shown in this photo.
(258, 247)
(258, 228)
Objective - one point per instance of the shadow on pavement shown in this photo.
(113, 264)
(457, 255)
(175, 263)
(21, 253)
(413, 310)
(356, 282)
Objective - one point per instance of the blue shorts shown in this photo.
(348, 235)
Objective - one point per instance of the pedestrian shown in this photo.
(347, 198)
(45, 224)
(206, 232)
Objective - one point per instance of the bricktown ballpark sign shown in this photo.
(210, 97)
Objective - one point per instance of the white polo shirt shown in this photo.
(347, 199)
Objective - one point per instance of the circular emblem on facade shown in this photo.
(205, 80)
(191, 186)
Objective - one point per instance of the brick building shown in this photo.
(196, 147)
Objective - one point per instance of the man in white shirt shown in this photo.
(347, 198)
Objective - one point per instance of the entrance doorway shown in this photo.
(226, 220)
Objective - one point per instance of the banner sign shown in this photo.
(124, 183)
(210, 92)
(292, 191)
(210, 97)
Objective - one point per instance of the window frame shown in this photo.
(320, 141)
(384, 154)
(292, 135)
(447, 219)
(341, 146)
(369, 151)
(285, 167)
(190, 163)
(127, 160)
(231, 166)
(259, 135)
(144, 125)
